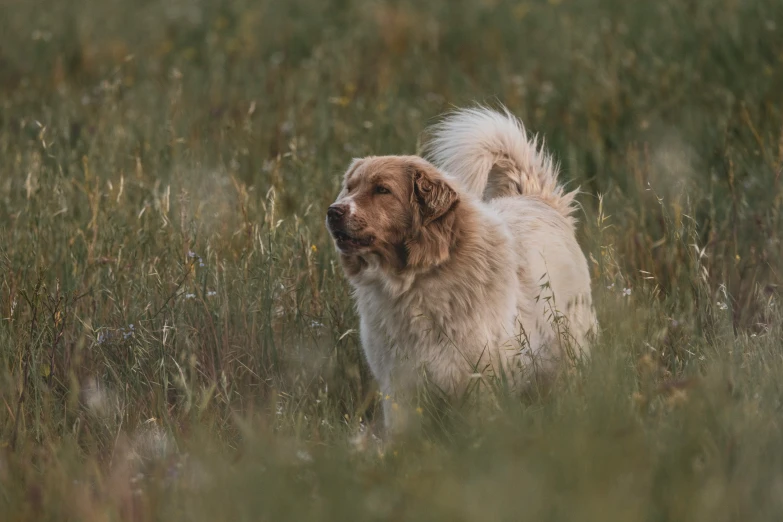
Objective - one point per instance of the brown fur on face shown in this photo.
(397, 208)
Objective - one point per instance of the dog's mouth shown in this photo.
(346, 242)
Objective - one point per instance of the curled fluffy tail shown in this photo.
(492, 156)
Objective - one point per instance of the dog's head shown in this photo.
(398, 208)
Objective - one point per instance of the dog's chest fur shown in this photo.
(447, 322)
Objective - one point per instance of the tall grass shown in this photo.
(177, 340)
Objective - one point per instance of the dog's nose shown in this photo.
(335, 213)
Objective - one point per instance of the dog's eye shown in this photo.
(380, 189)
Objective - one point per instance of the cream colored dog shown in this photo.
(465, 269)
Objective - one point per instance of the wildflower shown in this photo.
(610, 286)
(190, 296)
(191, 254)
(211, 293)
(626, 292)
(722, 305)
(200, 262)
(127, 333)
(314, 248)
(342, 101)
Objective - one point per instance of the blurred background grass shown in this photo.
(177, 341)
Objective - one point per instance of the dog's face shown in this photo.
(398, 208)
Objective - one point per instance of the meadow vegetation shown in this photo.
(177, 341)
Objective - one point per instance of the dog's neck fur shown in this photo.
(482, 257)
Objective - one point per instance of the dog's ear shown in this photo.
(433, 203)
(433, 194)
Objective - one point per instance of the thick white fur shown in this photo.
(491, 154)
(516, 289)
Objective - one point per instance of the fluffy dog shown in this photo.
(463, 266)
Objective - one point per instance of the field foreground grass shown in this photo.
(178, 343)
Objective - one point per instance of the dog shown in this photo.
(464, 264)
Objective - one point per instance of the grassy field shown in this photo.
(177, 341)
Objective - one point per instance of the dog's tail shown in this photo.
(492, 156)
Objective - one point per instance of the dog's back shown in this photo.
(491, 156)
